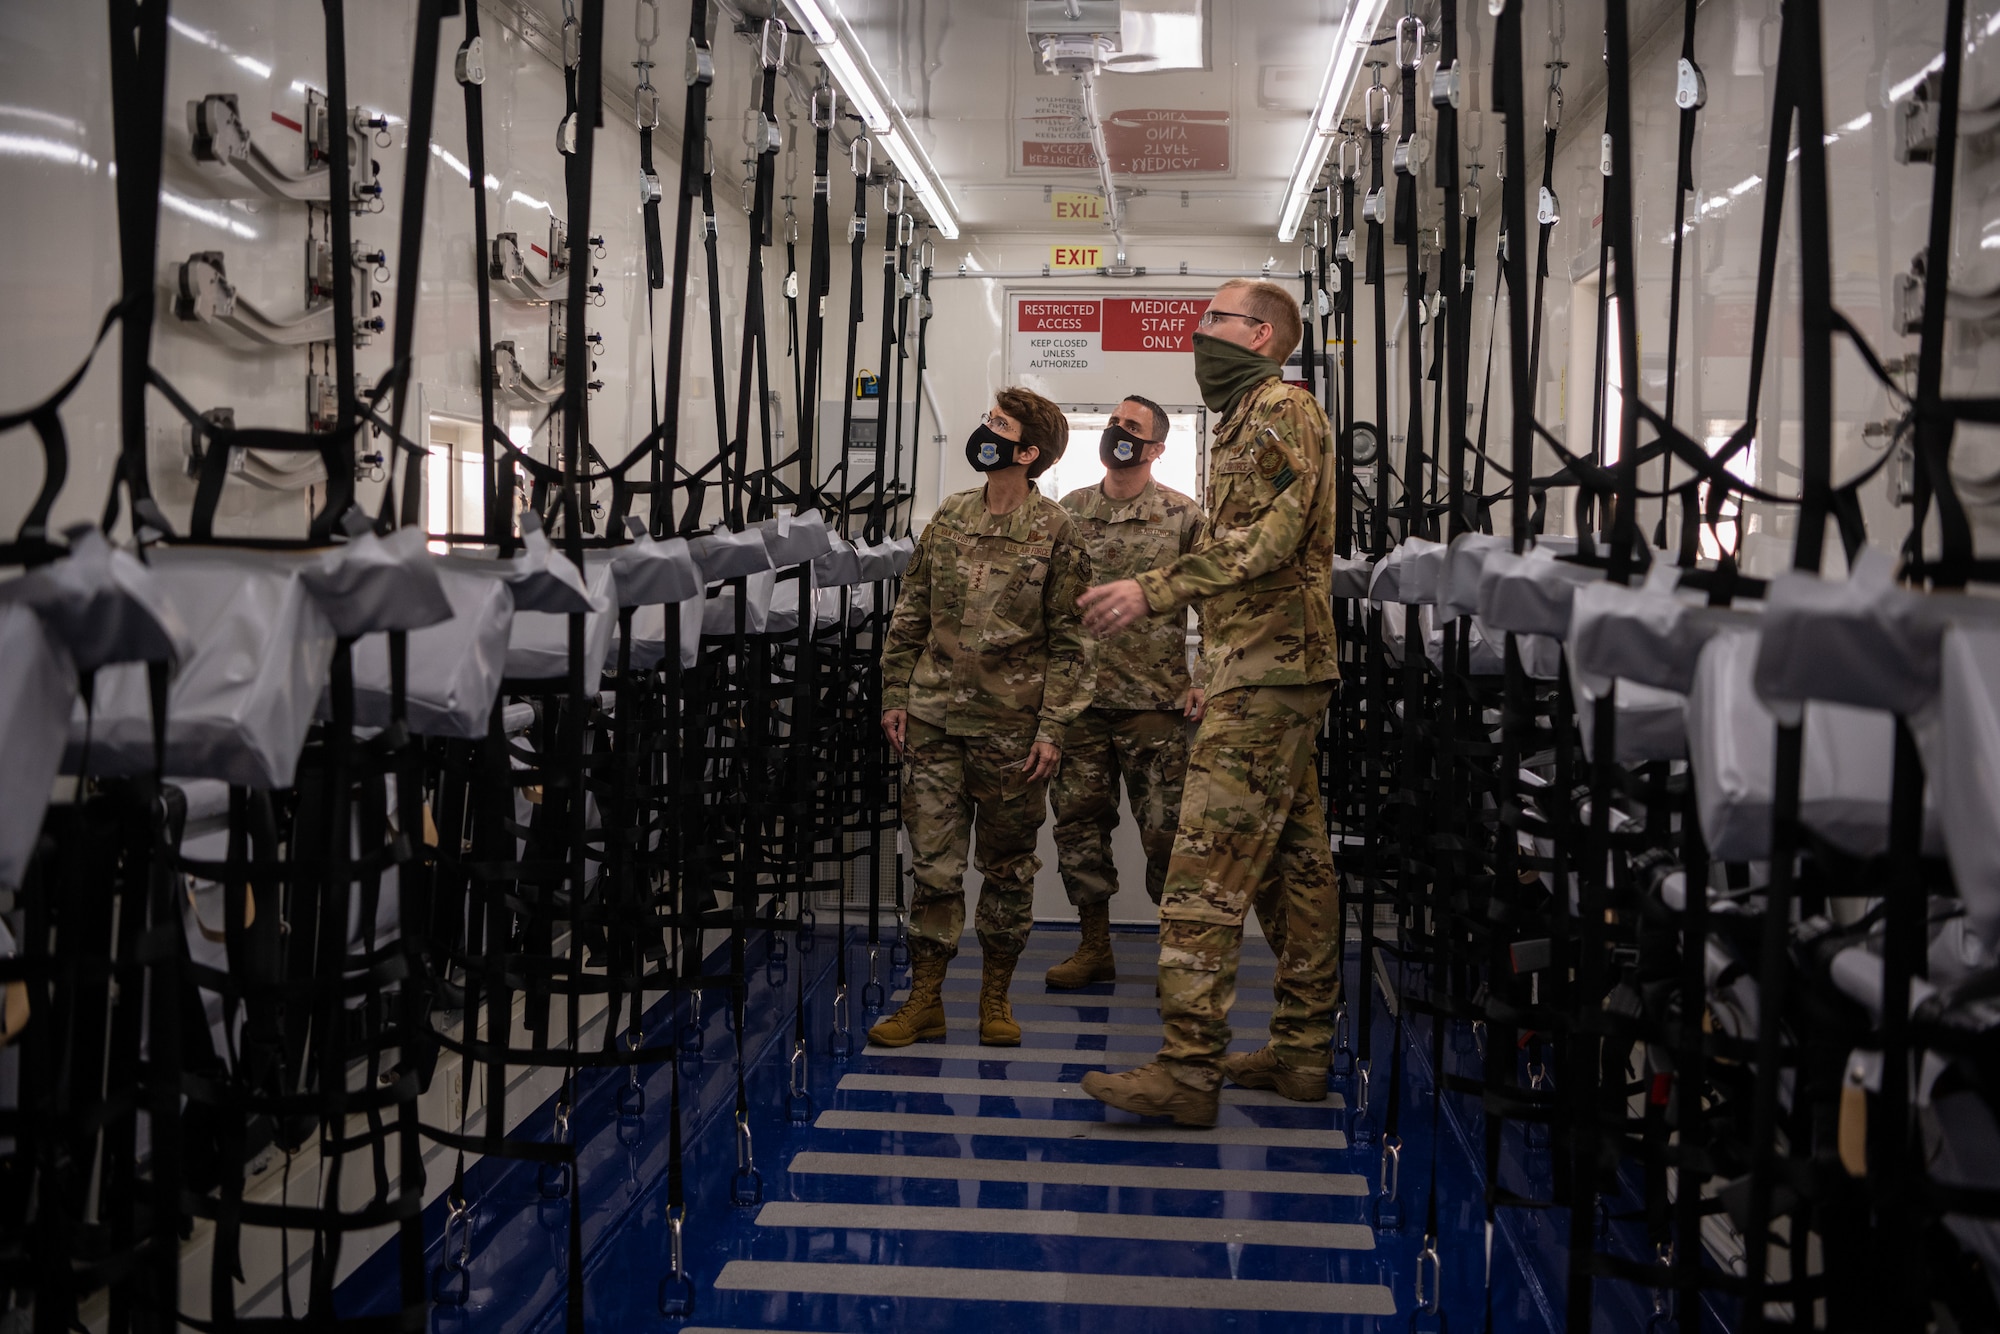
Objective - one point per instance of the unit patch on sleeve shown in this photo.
(1273, 465)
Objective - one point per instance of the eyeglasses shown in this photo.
(1001, 424)
(1211, 315)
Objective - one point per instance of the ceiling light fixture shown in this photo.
(841, 52)
(1342, 65)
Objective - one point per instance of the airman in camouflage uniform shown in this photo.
(1252, 832)
(986, 660)
(1136, 725)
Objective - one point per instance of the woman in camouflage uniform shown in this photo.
(984, 668)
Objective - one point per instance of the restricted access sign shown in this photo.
(1058, 335)
(1061, 335)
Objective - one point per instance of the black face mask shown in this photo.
(989, 451)
(1119, 448)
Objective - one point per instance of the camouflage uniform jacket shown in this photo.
(987, 636)
(1262, 570)
(1144, 667)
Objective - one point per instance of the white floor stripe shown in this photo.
(1119, 1175)
(1122, 1057)
(1068, 1223)
(1011, 1285)
(1126, 1132)
(1035, 1088)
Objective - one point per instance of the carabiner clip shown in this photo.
(897, 207)
(691, 1034)
(1392, 1165)
(841, 1041)
(774, 31)
(899, 948)
(1375, 109)
(824, 120)
(799, 1103)
(632, 1097)
(906, 228)
(1409, 41)
(1428, 1303)
(746, 1187)
(926, 255)
(677, 1288)
(807, 921)
(872, 995)
(451, 1285)
(553, 1180)
(861, 156)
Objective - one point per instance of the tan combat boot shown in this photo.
(1152, 1091)
(996, 1017)
(921, 1017)
(1261, 1069)
(1092, 961)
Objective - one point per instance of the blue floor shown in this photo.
(877, 1212)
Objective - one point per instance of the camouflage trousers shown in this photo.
(952, 787)
(1252, 834)
(1148, 747)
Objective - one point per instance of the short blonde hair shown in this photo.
(1276, 307)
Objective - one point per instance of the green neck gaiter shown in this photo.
(1226, 371)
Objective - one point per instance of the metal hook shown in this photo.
(746, 1187)
(842, 1041)
(677, 1288)
(872, 995)
(1429, 1303)
(774, 32)
(1375, 105)
(799, 1103)
(1409, 41)
(1392, 1165)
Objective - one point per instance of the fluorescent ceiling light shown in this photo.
(819, 26)
(848, 64)
(857, 87)
(1343, 63)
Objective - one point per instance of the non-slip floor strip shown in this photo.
(922, 1123)
(1023, 1285)
(1118, 1175)
(1068, 1223)
(967, 992)
(1037, 1088)
(1034, 1055)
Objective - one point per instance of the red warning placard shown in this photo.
(1060, 317)
(1151, 324)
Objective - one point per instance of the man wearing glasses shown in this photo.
(1252, 831)
(1136, 723)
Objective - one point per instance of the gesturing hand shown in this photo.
(1109, 608)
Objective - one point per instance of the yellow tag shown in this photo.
(217, 934)
(1854, 1129)
(1076, 257)
(1075, 206)
(13, 1012)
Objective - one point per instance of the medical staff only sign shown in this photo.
(1066, 334)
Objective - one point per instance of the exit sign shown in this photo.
(1074, 206)
(1076, 257)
